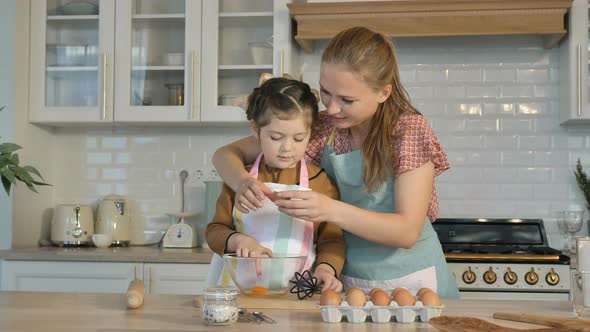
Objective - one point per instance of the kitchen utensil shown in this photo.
(79, 8)
(263, 276)
(173, 59)
(287, 302)
(113, 219)
(72, 225)
(135, 294)
(180, 235)
(102, 240)
(264, 317)
(566, 324)
(471, 324)
(175, 94)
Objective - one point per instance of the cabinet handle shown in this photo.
(282, 63)
(104, 86)
(193, 89)
(150, 279)
(579, 55)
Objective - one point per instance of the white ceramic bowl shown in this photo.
(102, 240)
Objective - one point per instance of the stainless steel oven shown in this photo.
(503, 259)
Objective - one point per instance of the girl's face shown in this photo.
(348, 99)
(283, 142)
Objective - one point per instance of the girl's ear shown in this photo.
(385, 93)
(254, 130)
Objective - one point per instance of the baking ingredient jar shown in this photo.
(220, 306)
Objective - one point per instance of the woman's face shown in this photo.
(347, 97)
(283, 142)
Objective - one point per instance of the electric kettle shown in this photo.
(112, 218)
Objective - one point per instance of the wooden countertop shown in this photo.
(134, 254)
(69, 312)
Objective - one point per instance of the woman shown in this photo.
(383, 156)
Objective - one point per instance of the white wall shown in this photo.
(493, 102)
(7, 34)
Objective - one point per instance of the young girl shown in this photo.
(282, 112)
(382, 154)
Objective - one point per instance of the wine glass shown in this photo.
(571, 222)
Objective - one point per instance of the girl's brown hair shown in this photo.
(371, 55)
(283, 98)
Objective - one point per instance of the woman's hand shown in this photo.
(307, 205)
(250, 195)
(325, 275)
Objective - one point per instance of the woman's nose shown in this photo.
(332, 108)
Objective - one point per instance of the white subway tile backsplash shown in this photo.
(464, 142)
(432, 75)
(568, 142)
(483, 91)
(114, 174)
(500, 142)
(534, 75)
(517, 158)
(516, 126)
(486, 126)
(534, 142)
(550, 158)
(534, 175)
(501, 109)
(114, 143)
(449, 92)
(516, 91)
(499, 175)
(98, 158)
(465, 75)
(500, 75)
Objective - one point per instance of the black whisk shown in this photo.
(305, 285)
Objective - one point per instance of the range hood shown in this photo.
(420, 18)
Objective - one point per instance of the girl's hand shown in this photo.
(325, 275)
(246, 246)
(307, 205)
(250, 195)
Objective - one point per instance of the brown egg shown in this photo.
(395, 290)
(403, 297)
(380, 298)
(430, 298)
(355, 297)
(422, 290)
(375, 290)
(330, 297)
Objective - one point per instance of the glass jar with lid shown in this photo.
(220, 306)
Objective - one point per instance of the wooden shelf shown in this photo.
(244, 67)
(71, 17)
(421, 18)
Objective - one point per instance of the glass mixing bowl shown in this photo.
(263, 276)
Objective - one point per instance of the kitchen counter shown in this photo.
(69, 312)
(129, 254)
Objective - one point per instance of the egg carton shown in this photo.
(380, 314)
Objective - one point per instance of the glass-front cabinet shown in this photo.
(152, 61)
(574, 67)
(158, 49)
(71, 44)
(243, 40)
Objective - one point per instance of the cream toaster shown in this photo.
(72, 225)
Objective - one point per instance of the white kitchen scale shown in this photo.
(181, 234)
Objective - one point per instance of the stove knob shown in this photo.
(552, 278)
(468, 276)
(490, 276)
(510, 277)
(531, 277)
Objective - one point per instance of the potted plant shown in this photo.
(583, 183)
(11, 171)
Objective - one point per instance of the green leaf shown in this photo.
(22, 174)
(33, 170)
(6, 185)
(14, 159)
(8, 174)
(3, 107)
(41, 183)
(31, 187)
(9, 147)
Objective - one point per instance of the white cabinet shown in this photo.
(152, 61)
(175, 278)
(102, 277)
(574, 62)
(51, 276)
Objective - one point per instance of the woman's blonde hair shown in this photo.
(371, 55)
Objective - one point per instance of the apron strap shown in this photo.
(332, 137)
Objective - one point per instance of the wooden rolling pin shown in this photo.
(135, 293)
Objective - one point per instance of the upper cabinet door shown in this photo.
(158, 56)
(574, 63)
(71, 47)
(241, 41)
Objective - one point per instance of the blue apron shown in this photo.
(369, 264)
